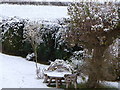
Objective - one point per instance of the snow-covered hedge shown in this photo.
(12, 35)
(15, 38)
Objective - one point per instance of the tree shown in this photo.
(33, 33)
(94, 26)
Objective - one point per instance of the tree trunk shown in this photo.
(92, 81)
(95, 67)
(34, 46)
(35, 51)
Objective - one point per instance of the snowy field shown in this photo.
(16, 72)
(33, 12)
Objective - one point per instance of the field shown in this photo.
(33, 12)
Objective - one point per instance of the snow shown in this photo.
(10, 22)
(16, 72)
(33, 12)
(59, 62)
(0, 19)
(56, 73)
(106, 29)
(30, 56)
(113, 84)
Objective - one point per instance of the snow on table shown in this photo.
(56, 73)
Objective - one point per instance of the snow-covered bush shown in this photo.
(30, 57)
(102, 17)
(59, 64)
(53, 47)
(76, 60)
(15, 37)
(12, 35)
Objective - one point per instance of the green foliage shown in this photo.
(50, 48)
(27, 48)
(12, 40)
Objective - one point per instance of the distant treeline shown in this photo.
(41, 3)
(37, 3)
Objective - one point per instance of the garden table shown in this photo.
(57, 75)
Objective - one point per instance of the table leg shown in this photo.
(67, 85)
(50, 80)
(60, 80)
(56, 83)
(75, 85)
(46, 78)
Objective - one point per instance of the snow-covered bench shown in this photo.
(57, 70)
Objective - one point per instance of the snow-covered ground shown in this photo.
(33, 12)
(16, 72)
(113, 84)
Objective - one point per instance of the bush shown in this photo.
(50, 49)
(14, 42)
(12, 37)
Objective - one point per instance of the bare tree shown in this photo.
(95, 26)
(33, 33)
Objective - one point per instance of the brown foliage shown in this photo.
(94, 26)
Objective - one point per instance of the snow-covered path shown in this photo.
(16, 72)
